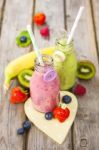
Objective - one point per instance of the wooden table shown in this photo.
(14, 16)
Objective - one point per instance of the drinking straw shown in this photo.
(75, 24)
(39, 56)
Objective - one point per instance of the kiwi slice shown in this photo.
(24, 77)
(28, 39)
(85, 70)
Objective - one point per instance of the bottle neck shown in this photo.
(61, 44)
(48, 64)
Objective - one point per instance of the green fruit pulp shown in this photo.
(85, 70)
(66, 69)
(23, 44)
(24, 77)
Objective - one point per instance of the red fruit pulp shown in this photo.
(18, 96)
(79, 90)
(61, 114)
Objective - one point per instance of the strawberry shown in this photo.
(79, 90)
(18, 95)
(39, 18)
(61, 114)
(44, 31)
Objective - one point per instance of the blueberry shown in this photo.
(48, 115)
(23, 39)
(66, 99)
(20, 131)
(26, 125)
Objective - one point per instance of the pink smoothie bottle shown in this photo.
(45, 86)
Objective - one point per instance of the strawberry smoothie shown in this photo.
(44, 86)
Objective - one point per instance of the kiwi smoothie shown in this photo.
(65, 63)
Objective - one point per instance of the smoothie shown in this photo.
(65, 63)
(44, 86)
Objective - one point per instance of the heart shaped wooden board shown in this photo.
(53, 128)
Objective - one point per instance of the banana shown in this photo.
(24, 62)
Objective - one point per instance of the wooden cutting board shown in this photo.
(53, 128)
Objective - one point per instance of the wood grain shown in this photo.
(86, 125)
(95, 9)
(16, 16)
(54, 11)
(2, 3)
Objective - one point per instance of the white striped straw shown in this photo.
(39, 56)
(75, 25)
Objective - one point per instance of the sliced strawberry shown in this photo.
(18, 95)
(61, 114)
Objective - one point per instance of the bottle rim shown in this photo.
(48, 61)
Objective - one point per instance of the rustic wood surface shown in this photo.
(14, 16)
(86, 125)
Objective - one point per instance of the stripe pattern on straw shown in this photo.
(75, 25)
(29, 29)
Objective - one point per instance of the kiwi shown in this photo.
(24, 77)
(85, 70)
(23, 44)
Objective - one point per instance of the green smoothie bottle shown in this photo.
(65, 63)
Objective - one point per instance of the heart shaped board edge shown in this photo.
(53, 128)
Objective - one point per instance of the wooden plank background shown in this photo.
(95, 9)
(39, 140)
(86, 125)
(11, 117)
(14, 16)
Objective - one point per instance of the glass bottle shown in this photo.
(65, 62)
(44, 86)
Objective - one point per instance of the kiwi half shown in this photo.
(24, 77)
(85, 70)
(23, 44)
